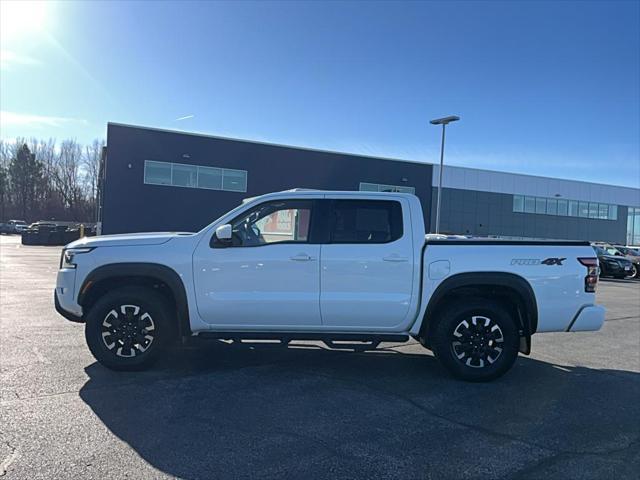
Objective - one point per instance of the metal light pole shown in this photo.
(444, 122)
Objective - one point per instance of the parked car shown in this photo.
(17, 226)
(613, 263)
(633, 255)
(328, 266)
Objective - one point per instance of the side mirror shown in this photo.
(224, 233)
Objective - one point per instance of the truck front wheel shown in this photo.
(127, 328)
(476, 341)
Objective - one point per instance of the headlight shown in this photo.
(68, 256)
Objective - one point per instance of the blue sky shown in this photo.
(545, 88)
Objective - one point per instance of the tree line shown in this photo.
(43, 180)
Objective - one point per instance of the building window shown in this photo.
(378, 187)
(564, 208)
(583, 209)
(209, 177)
(157, 173)
(193, 176)
(234, 180)
(603, 211)
(518, 203)
(573, 208)
(184, 175)
(633, 226)
(529, 205)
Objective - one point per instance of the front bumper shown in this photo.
(589, 318)
(66, 314)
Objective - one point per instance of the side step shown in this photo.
(338, 341)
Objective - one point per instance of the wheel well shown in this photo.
(92, 291)
(509, 297)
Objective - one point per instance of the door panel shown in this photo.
(367, 284)
(266, 275)
(264, 285)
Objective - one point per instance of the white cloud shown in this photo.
(8, 59)
(12, 119)
(184, 118)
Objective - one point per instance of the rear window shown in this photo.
(366, 221)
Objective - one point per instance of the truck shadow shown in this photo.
(242, 411)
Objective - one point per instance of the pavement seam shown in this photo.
(6, 463)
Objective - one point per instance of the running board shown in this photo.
(338, 341)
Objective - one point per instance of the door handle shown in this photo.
(395, 258)
(301, 257)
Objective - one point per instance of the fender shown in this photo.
(529, 315)
(155, 271)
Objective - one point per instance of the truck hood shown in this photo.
(127, 240)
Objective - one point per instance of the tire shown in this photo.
(137, 343)
(635, 272)
(485, 324)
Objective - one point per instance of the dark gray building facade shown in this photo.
(157, 180)
(160, 180)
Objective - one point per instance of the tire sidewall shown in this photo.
(449, 319)
(149, 301)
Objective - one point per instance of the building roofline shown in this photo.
(270, 144)
(352, 154)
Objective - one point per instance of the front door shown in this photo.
(267, 275)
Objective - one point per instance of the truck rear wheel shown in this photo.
(476, 341)
(128, 328)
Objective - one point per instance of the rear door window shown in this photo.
(365, 221)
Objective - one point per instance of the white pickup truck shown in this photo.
(329, 266)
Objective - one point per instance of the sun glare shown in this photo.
(22, 18)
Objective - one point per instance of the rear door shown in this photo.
(367, 265)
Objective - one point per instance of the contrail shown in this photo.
(184, 118)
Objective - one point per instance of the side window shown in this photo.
(273, 222)
(366, 221)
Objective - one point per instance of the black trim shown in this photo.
(544, 243)
(154, 271)
(529, 317)
(320, 336)
(68, 315)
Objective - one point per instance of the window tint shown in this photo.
(273, 222)
(366, 221)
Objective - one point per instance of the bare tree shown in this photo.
(65, 175)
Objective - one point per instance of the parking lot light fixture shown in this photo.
(444, 121)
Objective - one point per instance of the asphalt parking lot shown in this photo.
(570, 410)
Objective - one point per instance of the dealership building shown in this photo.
(161, 180)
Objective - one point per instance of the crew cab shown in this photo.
(337, 267)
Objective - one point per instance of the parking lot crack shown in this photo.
(9, 459)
